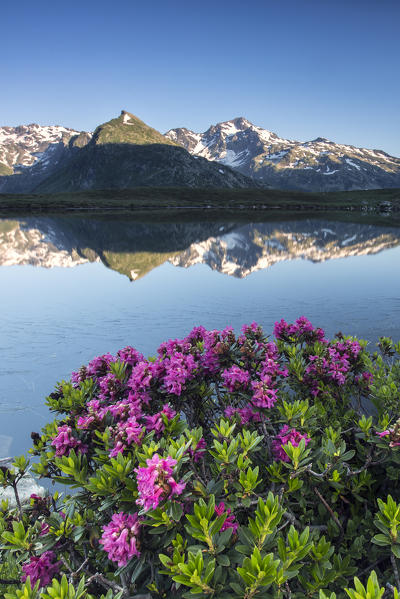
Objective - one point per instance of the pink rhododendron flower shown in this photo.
(179, 368)
(389, 433)
(286, 435)
(301, 328)
(235, 378)
(263, 396)
(199, 451)
(156, 422)
(126, 433)
(246, 414)
(141, 377)
(129, 355)
(64, 441)
(111, 388)
(230, 520)
(155, 481)
(120, 538)
(42, 568)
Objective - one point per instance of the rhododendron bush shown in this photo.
(225, 466)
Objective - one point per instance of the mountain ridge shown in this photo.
(290, 164)
(125, 152)
(122, 153)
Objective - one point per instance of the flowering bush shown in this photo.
(225, 466)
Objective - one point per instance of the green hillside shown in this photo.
(128, 129)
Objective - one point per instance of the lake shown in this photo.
(76, 287)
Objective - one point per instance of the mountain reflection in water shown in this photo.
(135, 248)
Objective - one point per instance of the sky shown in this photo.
(300, 68)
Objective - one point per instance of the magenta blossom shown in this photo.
(42, 568)
(126, 433)
(120, 538)
(155, 482)
(199, 451)
(246, 414)
(156, 421)
(179, 369)
(286, 435)
(64, 441)
(230, 521)
(263, 396)
(235, 378)
(394, 442)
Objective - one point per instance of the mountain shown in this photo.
(134, 249)
(317, 165)
(121, 154)
(23, 146)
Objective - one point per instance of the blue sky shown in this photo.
(301, 68)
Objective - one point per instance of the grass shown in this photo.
(212, 204)
(134, 131)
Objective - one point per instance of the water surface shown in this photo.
(73, 288)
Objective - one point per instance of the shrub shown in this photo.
(226, 466)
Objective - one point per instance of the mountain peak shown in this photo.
(317, 165)
(128, 129)
(234, 125)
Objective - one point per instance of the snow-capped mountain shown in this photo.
(27, 145)
(122, 153)
(317, 165)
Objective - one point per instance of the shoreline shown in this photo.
(384, 203)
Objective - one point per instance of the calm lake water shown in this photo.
(73, 288)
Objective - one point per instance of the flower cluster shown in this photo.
(301, 330)
(42, 568)
(286, 435)
(120, 538)
(155, 481)
(335, 365)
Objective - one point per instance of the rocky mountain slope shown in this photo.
(317, 165)
(134, 249)
(123, 153)
(26, 145)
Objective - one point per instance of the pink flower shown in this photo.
(126, 433)
(44, 529)
(389, 433)
(302, 328)
(246, 414)
(199, 451)
(156, 483)
(42, 568)
(235, 378)
(263, 397)
(129, 355)
(286, 435)
(179, 369)
(230, 519)
(64, 441)
(156, 422)
(120, 538)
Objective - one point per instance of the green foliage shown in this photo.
(371, 591)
